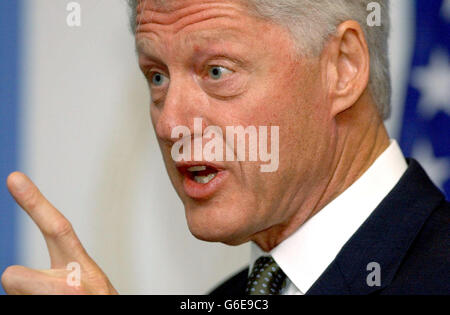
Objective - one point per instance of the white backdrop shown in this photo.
(87, 142)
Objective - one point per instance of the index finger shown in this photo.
(62, 242)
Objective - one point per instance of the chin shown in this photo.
(217, 224)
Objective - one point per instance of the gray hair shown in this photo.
(311, 22)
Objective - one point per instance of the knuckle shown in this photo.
(59, 229)
(9, 276)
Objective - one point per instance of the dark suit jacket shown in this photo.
(408, 235)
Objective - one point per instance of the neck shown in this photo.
(358, 150)
(358, 146)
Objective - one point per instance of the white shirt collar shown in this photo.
(306, 254)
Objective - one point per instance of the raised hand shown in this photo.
(63, 246)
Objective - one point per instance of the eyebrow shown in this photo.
(144, 45)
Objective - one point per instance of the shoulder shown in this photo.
(233, 286)
(425, 267)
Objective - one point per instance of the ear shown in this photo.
(347, 66)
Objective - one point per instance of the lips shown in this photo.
(201, 180)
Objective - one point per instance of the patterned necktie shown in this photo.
(266, 278)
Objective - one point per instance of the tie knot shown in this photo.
(266, 277)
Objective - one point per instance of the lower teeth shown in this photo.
(204, 179)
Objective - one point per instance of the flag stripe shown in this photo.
(9, 108)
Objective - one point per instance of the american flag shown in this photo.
(425, 133)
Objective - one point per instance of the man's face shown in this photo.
(215, 61)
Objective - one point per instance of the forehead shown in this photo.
(160, 5)
(182, 12)
(192, 20)
(168, 6)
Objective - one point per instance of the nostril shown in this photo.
(168, 122)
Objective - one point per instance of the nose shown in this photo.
(184, 101)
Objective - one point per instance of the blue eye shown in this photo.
(158, 79)
(217, 72)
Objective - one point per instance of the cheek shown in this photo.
(154, 115)
(286, 92)
(294, 103)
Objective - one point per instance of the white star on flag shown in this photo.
(438, 169)
(433, 82)
(445, 10)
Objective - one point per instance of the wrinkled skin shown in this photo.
(330, 130)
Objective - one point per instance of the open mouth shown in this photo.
(201, 181)
(202, 174)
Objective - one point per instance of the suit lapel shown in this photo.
(384, 238)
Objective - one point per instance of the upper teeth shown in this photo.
(197, 168)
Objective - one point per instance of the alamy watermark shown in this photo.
(216, 150)
(73, 279)
(374, 277)
(73, 19)
(374, 17)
